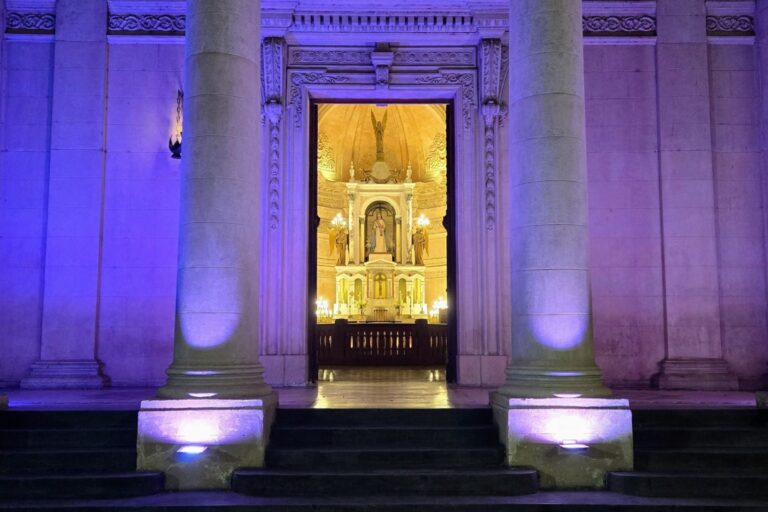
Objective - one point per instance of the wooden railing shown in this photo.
(393, 344)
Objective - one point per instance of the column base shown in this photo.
(198, 443)
(537, 382)
(696, 374)
(572, 442)
(3, 402)
(761, 399)
(230, 381)
(65, 375)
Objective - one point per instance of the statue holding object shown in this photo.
(420, 241)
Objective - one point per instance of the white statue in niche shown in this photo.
(380, 233)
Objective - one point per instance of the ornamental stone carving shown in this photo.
(634, 25)
(301, 56)
(490, 79)
(138, 24)
(299, 80)
(435, 57)
(730, 25)
(272, 79)
(468, 88)
(30, 23)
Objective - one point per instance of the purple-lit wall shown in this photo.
(141, 194)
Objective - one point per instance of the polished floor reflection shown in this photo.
(373, 387)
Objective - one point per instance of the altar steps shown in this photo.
(384, 452)
(698, 453)
(55, 454)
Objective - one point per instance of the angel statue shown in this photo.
(338, 237)
(378, 128)
(420, 240)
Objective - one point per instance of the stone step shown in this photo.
(383, 417)
(384, 437)
(699, 485)
(319, 459)
(687, 418)
(677, 437)
(67, 419)
(67, 461)
(67, 437)
(83, 486)
(702, 460)
(489, 482)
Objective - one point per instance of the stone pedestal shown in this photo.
(572, 442)
(761, 399)
(197, 443)
(697, 374)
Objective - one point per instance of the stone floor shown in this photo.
(368, 388)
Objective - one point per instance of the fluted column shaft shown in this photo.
(216, 349)
(552, 336)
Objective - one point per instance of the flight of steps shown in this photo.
(73, 454)
(384, 452)
(698, 453)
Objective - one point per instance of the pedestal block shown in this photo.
(572, 442)
(697, 374)
(197, 443)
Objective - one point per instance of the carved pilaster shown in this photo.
(490, 80)
(272, 83)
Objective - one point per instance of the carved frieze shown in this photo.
(630, 25)
(434, 57)
(30, 23)
(468, 91)
(298, 56)
(730, 25)
(147, 24)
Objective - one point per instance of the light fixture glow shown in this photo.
(566, 395)
(571, 445)
(192, 449)
(202, 395)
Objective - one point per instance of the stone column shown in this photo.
(552, 335)
(70, 310)
(541, 410)
(216, 350)
(694, 355)
(215, 411)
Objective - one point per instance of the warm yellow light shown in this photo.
(439, 304)
(422, 221)
(338, 221)
(322, 311)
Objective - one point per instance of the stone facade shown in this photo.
(675, 143)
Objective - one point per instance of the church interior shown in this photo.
(455, 255)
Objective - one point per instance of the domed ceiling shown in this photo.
(413, 133)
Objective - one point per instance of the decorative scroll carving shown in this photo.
(491, 60)
(138, 24)
(298, 80)
(299, 56)
(730, 25)
(272, 79)
(635, 25)
(442, 57)
(468, 95)
(30, 23)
